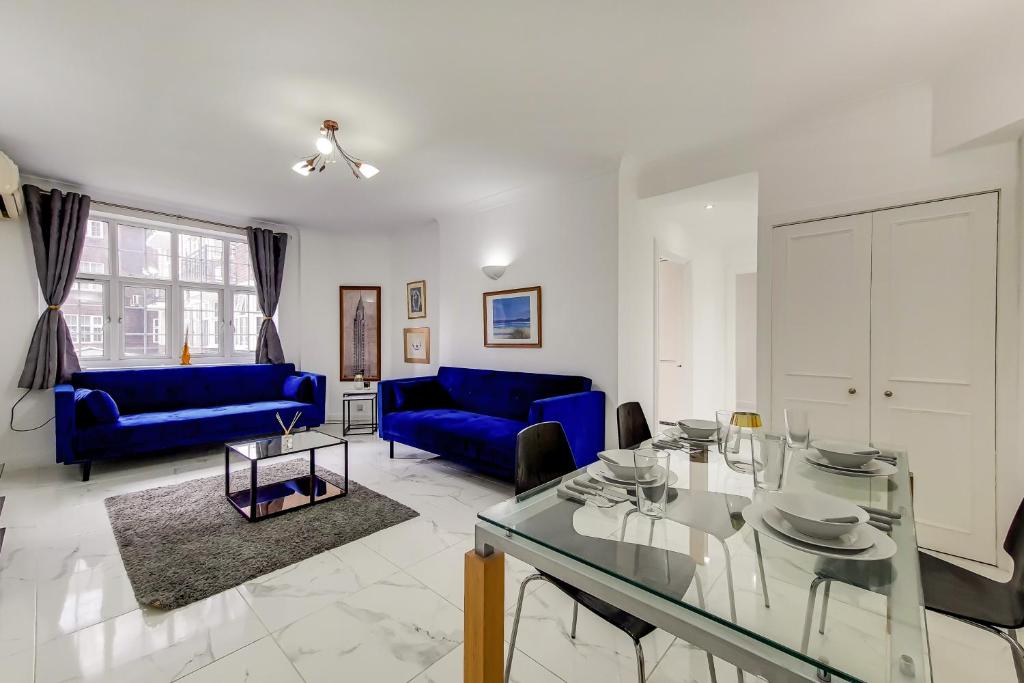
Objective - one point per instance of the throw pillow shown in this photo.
(299, 388)
(421, 396)
(95, 406)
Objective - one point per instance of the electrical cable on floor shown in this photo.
(30, 429)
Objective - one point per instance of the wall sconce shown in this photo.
(494, 272)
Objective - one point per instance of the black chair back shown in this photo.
(1014, 546)
(543, 453)
(632, 425)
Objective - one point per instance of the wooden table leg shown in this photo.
(484, 618)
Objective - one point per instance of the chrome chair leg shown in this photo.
(1015, 648)
(811, 596)
(728, 579)
(824, 606)
(515, 621)
(760, 568)
(575, 614)
(640, 675)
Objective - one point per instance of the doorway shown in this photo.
(674, 340)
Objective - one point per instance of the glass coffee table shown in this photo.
(269, 500)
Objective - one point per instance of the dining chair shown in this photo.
(949, 589)
(632, 425)
(543, 454)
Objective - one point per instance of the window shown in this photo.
(144, 321)
(96, 253)
(200, 259)
(246, 321)
(201, 308)
(85, 312)
(143, 252)
(141, 285)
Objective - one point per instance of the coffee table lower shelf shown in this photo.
(283, 496)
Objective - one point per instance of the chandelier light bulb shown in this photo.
(323, 145)
(302, 168)
(367, 170)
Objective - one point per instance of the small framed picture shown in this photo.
(417, 344)
(512, 318)
(416, 299)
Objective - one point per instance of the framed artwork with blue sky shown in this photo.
(512, 318)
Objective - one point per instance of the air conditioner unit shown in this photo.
(10, 189)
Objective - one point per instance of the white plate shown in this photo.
(883, 547)
(875, 468)
(600, 471)
(851, 541)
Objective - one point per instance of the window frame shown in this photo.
(114, 284)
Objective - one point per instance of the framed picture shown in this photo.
(416, 299)
(360, 332)
(417, 344)
(512, 318)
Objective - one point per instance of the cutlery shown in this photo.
(598, 498)
(584, 482)
(881, 526)
(599, 490)
(577, 497)
(849, 519)
(878, 512)
(868, 451)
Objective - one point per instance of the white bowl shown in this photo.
(850, 454)
(807, 512)
(620, 462)
(698, 429)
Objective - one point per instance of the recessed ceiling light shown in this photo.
(709, 206)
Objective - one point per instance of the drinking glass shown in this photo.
(652, 490)
(739, 443)
(798, 428)
(769, 458)
(724, 420)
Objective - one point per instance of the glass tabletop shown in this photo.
(273, 446)
(704, 556)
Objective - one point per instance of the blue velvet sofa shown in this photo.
(105, 414)
(474, 416)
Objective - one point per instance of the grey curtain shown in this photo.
(266, 252)
(57, 224)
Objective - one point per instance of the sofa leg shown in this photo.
(86, 469)
(392, 445)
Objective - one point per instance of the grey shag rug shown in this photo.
(186, 542)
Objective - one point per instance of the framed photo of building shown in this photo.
(512, 318)
(360, 332)
(416, 341)
(416, 299)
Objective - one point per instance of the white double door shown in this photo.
(883, 329)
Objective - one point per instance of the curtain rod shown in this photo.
(167, 215)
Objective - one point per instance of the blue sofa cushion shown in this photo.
(186, 426)
(93, 406)
(505, 394)
(470, 435)
(299, 388)
(421, 395)
(145, 390)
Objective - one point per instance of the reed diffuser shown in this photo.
(287, 438)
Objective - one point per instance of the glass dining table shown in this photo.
(706, 575)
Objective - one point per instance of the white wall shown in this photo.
(869, 155)
(562, 238)
(414, 255)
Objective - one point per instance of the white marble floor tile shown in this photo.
(18, 667)
(963, 653)
(261, 662)
(389, 632)
(81, 599)
(407, 543)
(150, 645)
(288, 594)
(443, 573)
(684, 663)
(17, 615)
(449, 669)
(600, 652)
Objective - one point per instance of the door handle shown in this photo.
(851, 390)
(887, 393)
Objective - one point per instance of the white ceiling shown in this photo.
(208, 104)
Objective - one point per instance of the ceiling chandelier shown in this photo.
(328, 152)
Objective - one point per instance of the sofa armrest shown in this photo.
(64, 421)
(581, 416)
(319, 393)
